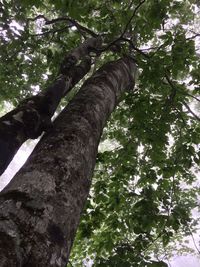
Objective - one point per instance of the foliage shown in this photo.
(145, 187)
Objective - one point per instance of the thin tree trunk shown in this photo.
(33, 115)
(40, 209)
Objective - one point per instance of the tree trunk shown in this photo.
(40, 209)
(33, 115)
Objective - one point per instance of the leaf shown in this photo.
(157, 264)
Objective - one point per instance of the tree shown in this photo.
(137, 197)
(33, 115)
(64, 161)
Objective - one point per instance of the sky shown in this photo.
(19, 159)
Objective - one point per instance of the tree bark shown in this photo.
(33, 115)
(40, 209)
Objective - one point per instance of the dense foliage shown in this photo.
(144, 185)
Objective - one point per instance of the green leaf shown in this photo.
(157, 264)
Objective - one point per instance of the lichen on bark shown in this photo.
(41, 207)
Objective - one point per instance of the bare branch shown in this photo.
(195, 34)
(71, 22)
(181, 116)
(184, 93)
(135, 48)
(169, 81)
(184, 103)
(189, 109)
(193, 239)
(193, 37)
(40, 16)
(50, 32)
(84, 30)
(188, 94)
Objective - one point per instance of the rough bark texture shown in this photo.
(33, 115)
(40, 209)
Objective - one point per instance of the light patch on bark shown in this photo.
(18, 204)
(20, 137)
(41, 226)
(54, 261)
(18, 116)
(30, 102)
(68, 83)
(45, 186)
(7, 122)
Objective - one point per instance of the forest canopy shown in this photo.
(145, 183)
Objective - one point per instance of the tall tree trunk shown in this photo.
(40, 209)
(33, 115)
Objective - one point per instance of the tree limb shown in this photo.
(184, 103)
(189, 109)
(121, 37)
(133, 15)
(82, 29)
(33, 115)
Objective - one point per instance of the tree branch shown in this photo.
(82, 29)
(189, 109)
(121, 37)
(188, 94)
(184, 103)
(184, 93)
(51, 32)
(135, 48)
(133, 15)
(40, 16)
(194, 36)
(70, 263)
(33, 115)
(73, 23)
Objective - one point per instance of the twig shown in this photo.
(70, 263)
(184, 93)
(193, 239)
(187, 225)
(189, 109)
(84, 30)
(72, 22)
(193, 37)
(154, 240)
(184, 103)
(135, 48)
(158, 48)
(40, 16)
(169, 81)
(181, 117)
(50, 32)
(188, 94)
(121, 37)
(133, 15)
(130, 5)
(170, 98)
